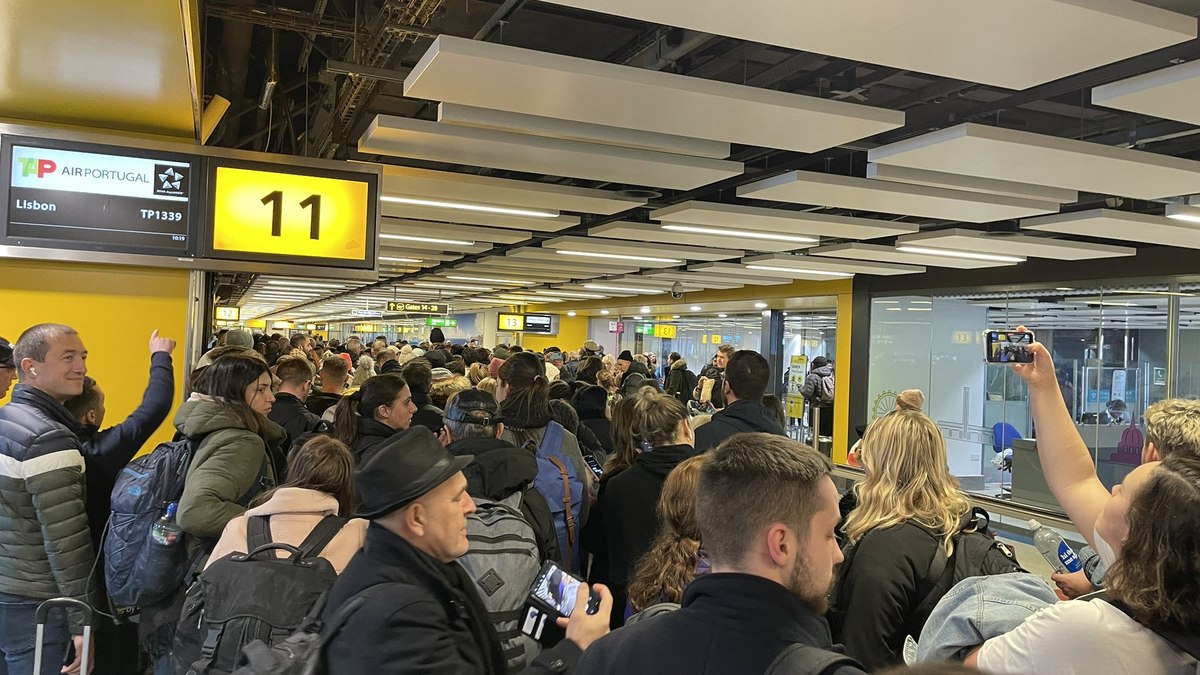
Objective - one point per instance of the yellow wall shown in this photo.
(841, 393)
(114, 309)
(572, 332)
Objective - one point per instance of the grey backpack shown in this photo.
(503, 562)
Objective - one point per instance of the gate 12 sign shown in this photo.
(292, 214)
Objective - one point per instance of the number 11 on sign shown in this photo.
(276, 200)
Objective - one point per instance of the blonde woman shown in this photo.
(909, 509)
(363, 371)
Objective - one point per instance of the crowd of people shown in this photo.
(438, 482)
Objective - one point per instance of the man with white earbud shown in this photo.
(48, 550)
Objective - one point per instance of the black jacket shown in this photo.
(635, 378)
(738, 417)
(680, 381)
(877, 593)
(718, 391)
(105, 453)
(319, 401)
(418, 615)
(500, 469)
(428, 415)
(290, 413)
(589, 443)
(601, 427)
(625, 521)
(371, 433)
(729, 623)
(390, 366)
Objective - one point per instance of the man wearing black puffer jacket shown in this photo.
(746, 376)
(46, 551)
(419, 376)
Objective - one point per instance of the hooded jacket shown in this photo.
(812, 384)
(232, 464)
(45, 545)
(290, 413)
(427, 415)
(741, 416)
(680, 381)
(501, 469)
(625, 520)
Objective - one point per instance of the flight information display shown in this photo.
(78, 195)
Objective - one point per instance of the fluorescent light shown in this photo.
(431, 240)
(1183, 212)
(490, 280)
(920, 309)
(971, 255)
(571, 313)
(674, 316)
(645, 310)
(794, 270)
(575, 296)
(481, 208)
(760, 305)
(722, 316)
(695, 308)
(895, 309)
(277, 282)
(747, 234)
(601, 287)
(604, 312)
(621, 256)
(453, 287)
(1182, 295)
(637, 318)
(400, 260)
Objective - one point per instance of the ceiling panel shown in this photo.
(494, 76)
(398, 180)
(1171, 93)
(404, 137)
(879, 253)
(468, 233)
(850, 192)
(703, 277)
(1006, 154)
(813, 264)
(1121, 226)
(749, 239)
(1004, 188)
(1014, 244)
(483, 118)
(782, 274)
(664, 252)
(737, 216)
(1015, 44)
(389, 208)
(550, 259)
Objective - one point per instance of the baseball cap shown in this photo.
(474, 406)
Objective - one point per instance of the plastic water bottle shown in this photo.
(1052, 547)
(166, 531)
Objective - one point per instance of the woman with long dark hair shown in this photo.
(239, 454)
(369, 416)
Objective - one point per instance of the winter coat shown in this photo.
(45, 544)
(680, 381)
(500, 469)
(738, 417)
(391, 366)
(625, 520)
(105, 453)
(601, 427)
(289, 412)
(293, 513)
(878, 592)
(729, 623)
(635, 378)
(231, 465)
(320, 401)
(718, 390)
(417, 615)
(371, 433)
(812, 389)
(427, 415)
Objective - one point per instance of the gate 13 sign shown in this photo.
(291, 214)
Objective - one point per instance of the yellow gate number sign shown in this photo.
(229, 313)
(277, 213)
(512, 322)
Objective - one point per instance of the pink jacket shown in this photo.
(294, 513)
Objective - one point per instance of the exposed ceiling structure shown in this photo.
(541, 152)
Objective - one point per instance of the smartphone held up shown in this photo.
(1008, 346)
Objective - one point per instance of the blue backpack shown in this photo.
(563, 489)
(137, 570)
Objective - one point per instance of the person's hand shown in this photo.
(444, 437)
(73, 668)
(1039, 374)
(161, 344)
(582, 628)
(1072, 584)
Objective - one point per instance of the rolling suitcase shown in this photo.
(43, 611)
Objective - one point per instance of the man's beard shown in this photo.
(800, 583)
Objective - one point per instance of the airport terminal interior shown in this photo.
(882, 191)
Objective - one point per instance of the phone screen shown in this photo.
(594, 465)
(1009, 347)
(556, 588)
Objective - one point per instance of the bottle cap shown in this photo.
(1034, 525)
(171, 508)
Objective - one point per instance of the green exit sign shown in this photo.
(645, 329)
(441, 322)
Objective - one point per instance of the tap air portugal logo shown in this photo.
(33, 166)
(94, 172)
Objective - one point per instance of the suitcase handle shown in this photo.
(43, 609)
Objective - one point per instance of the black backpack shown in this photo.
(245, 597)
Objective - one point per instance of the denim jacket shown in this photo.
(980, 608)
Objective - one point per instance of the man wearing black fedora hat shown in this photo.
(415, 610)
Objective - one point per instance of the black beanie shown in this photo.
(436, 336)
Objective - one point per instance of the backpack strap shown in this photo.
(1174, 635)
(258, 532)
(804, 659)
(321, 535)
(567, 514)
(552, 439)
